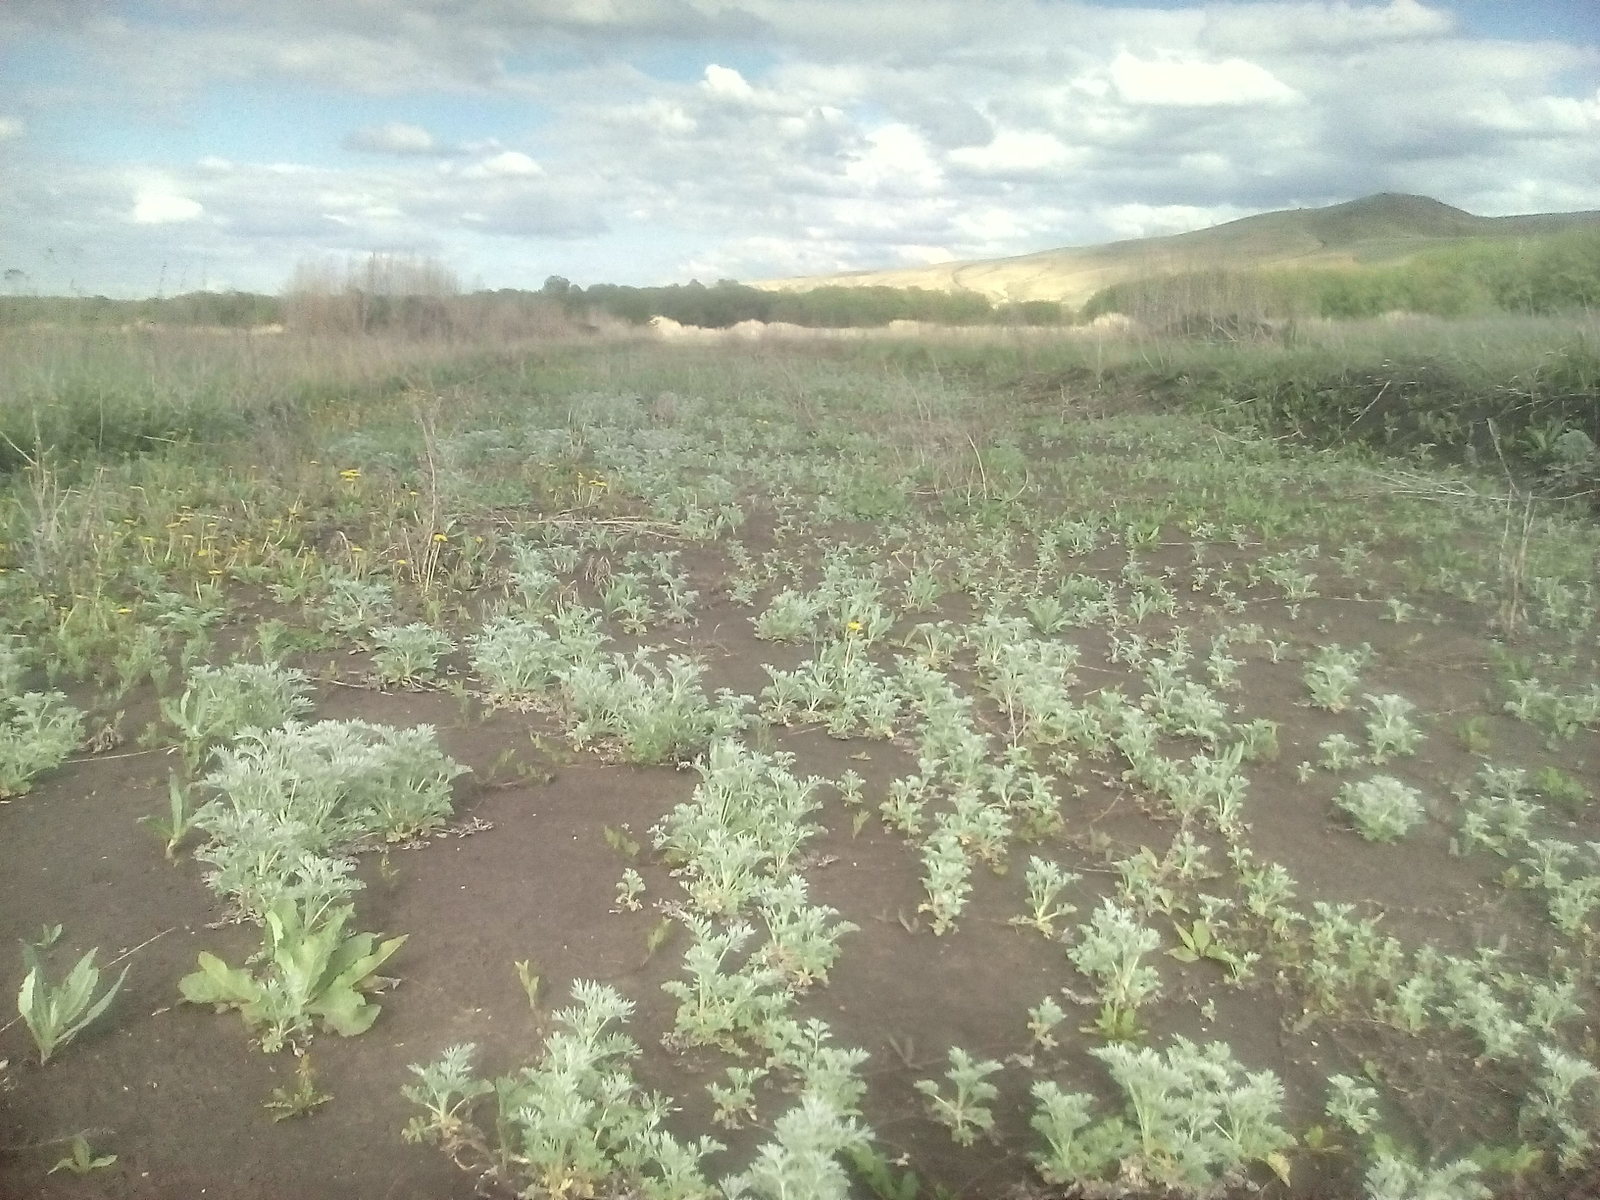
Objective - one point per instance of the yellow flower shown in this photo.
(441, 537)
(854, 626)
(399, 562)
(350, 474)
(122, 612)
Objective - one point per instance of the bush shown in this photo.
(37, 732)
(1383, 808)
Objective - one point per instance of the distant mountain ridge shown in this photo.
(1387, 227)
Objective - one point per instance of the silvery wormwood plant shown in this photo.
(719, 1003)
(1109, 949)
(655, 713)
(946, 879)
(1332, 675)
(408, 654)
(296, 796)
(1565, 1105)
(1046, 881)
(345, 779)
(352, 606)
(1389, 728)
(1193, 1122)
(802, 1157)
(38, 730)
(965, 1106)
(519, 659)
(219, 703)
(742, 791)
(1382, 808)
(572, 1123)
(802, 938)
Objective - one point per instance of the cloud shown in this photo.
(11, 127)
(1181, 83)
(164, 208)
(727, 84)
(396, 137)
(1018, 152)
(1300, 28)
(511, 164)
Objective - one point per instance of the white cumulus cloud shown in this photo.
(508, 164)
(11, 127)
(1181, 82)
(727, 83)
(164, 208)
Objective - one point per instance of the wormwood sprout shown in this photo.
(1332, 676)
(1389, 728)
(946, 880)
(1383, 808)
(966, 1107)
(1109, 949)
(1394, 1177)
(37, 732)
(1046, 880)
(291, 800)
(574, 1122)
(408, 654)
(1193, 1120)
(219, 703)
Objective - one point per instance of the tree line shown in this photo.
(1553, 273)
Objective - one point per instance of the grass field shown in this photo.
(1010, 768)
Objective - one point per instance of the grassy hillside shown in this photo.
(1385, 228)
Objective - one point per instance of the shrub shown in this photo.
(292, 796)
(37, 732)
(1383, 808)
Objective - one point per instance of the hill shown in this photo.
(1384, 228)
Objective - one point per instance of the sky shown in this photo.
(160, 146)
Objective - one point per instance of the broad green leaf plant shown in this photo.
(309, 974)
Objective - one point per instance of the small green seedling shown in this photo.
(55, 1014)
(877, 1172)
(1562, 791)
(530, 980)
(175, 826)
(82, 1159)
(619, 841)
(301, 1100)
(659, 933)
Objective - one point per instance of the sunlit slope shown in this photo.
(1382, 228)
